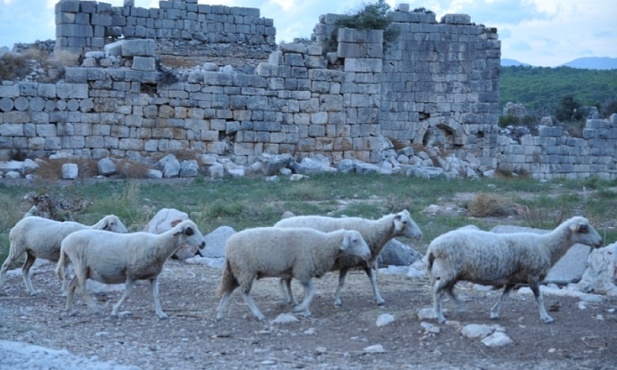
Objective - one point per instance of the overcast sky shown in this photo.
(545, 33)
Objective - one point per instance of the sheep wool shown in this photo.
(123, 258)
(507, 260)
(300, 253)
(377, 234)
(39, 237)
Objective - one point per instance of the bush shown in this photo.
(372, 17)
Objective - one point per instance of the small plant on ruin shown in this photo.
(375, 16)
(423, 10)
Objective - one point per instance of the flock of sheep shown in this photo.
(300, 247)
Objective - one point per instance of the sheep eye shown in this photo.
(583, 229)
(189, 231)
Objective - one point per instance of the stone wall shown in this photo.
(552, 153)
(179, 27)
(435, 86)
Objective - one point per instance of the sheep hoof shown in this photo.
(163, 317)
(33, 293)
(338, 304)
(548, 320)
(381, 303)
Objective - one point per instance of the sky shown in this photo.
(545, 33)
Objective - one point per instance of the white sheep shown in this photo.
(40, 237)
(123, 258)
(507, 260)
(376, 233)
(300, 253)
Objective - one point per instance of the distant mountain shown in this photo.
(592, 63)
(511, 62)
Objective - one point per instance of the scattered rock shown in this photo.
(384, 319)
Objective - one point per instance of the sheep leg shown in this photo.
(252, 306)
(309, 294)
(373, 278)
(286, 293)
(5, 266)
(459, 303)
(71, 293)
(25, 271)
(82, 278)
(497, 307)
(154, 283)
(535, 288)
(128, 290)
(65, 280)
(220, 310)
(341, 282)
(438, 289)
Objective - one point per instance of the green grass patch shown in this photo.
(251, 202)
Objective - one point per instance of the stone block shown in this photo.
(144, 64)
(9, 91)
(144, 48)
(6, 104)
(76, 75)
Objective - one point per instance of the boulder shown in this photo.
(397, 254)
(70, 171)
(107, 167)
(216, 241)
(600, 276)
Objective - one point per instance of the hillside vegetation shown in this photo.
(542, 89)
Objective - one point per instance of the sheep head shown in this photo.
(582, 232)
(405, 226)
(354, 244)
(113, 223)
(189, 231)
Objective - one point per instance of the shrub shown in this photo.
(372, 17)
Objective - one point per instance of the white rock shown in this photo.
(497, 339)
(478, 330)
(70, 171)
(430, 328)
(426, 313)
(384, 319)
(375, 348)
(284, 318)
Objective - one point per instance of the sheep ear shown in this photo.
(189, 231)
(346, 242)
(583, 229)
(579, 228)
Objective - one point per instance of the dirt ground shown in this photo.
(334, 338)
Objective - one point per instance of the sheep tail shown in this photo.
(228, 281)
(429, 266)
(60, 266)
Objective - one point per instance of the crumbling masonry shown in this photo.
(436, 85)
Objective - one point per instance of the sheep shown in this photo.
(300, 253)
(506, 260)
(40, 237)
(377, 234)
(123, 258)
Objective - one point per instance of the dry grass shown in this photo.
(64, 58)
(489, 205)
(18, 66)
(51, 169)
(131, 170)
(180, 62)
